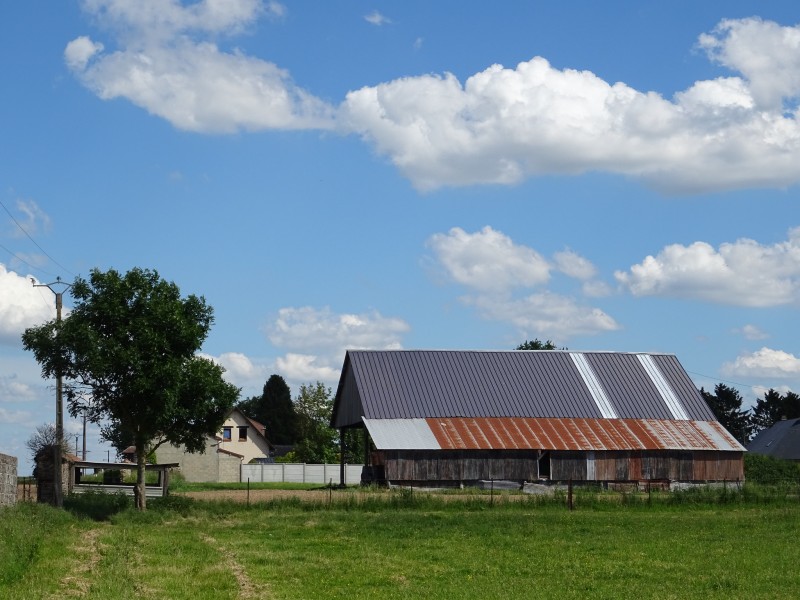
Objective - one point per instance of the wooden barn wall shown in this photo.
(442, 465)
(522, 465)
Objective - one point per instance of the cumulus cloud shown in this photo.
(306, 368)
(574, 265)
(21, 306)
(765, 362)
(488, 260)
(767, 54)
(494, 268)
(315, 339)
(14, 390)
(168, 66)
(742, 273)
(499, 126)
(553, 315)
(505, 124)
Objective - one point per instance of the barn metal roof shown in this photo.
(513, 433)
(420, 384)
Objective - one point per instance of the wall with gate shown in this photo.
(301, 473)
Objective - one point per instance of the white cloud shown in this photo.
(14, 390)
(276, 10)
(767, 54)
(166, 67)
(764, 363)
(14, 417)
(493, 266)
(574, 265)
(34, 219)
(315, 340)
(500, 126)
(305, 368)
(79, 52)
(503, 125)
(751, 332)
(376, 18)
(488, 260)
(552, 315)
(742, 273)
(310, 329)
(21, 306)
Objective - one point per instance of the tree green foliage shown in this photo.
(275, 410)
(316, 438)
(773, 407)
(536, 344)
(726, 404)
(128, 354)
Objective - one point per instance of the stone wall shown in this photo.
(8, 480)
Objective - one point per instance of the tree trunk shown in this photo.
(139, 494)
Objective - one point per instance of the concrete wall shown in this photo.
(197, 467)
(301, 473)
(8, 480)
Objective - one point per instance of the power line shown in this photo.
(22, 229)
(22, 260)
(738, 385)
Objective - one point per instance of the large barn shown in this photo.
(444, 417)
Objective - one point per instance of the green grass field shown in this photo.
(404, 546)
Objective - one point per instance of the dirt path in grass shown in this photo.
(247, 589)
(86, 555)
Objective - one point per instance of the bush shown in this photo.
(770, 471)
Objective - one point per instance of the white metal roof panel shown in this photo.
(401, 434)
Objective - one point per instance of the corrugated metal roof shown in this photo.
(446, 433)
(782, 440)
(415, 384)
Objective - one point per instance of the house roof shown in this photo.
(417, 384)
(782, 440)
(259, 427)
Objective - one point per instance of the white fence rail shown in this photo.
(301, 473)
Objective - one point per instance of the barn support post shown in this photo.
(341, 458)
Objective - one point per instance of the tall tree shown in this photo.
(275, 410)
(128, 353)
(726, 404)
(773, 407)
(316, 438)
(536, 344)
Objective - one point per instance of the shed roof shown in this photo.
(782, 440)
(420, 384)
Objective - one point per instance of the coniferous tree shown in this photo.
(275, 410)
(726, 404)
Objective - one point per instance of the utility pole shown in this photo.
(57, 479)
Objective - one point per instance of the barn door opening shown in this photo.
(544, 465)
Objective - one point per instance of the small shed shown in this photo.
(782, 440)
(445, 417)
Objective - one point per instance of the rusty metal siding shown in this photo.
(579, 434)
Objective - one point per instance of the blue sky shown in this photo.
(331, 175)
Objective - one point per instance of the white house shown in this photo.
(241, 440)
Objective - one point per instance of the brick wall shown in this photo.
(8, 480)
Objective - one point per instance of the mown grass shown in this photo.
(699, 544)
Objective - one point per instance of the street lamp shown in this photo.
(59, 499)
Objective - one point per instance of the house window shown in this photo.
(226, 434)
(243, 433)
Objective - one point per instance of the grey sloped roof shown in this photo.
(409, 384)
(782, 440)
